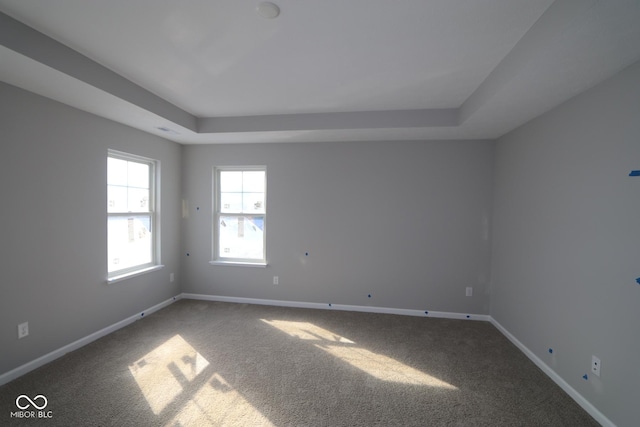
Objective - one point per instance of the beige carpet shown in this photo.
(205, 363)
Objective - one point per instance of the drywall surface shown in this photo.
(566, 233)
(404, 222)
(53, 219)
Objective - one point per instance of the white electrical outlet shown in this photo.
(23, 330)
(595, 366)
(469, 291)
(276, 280)
(171, 277)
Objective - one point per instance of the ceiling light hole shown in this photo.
(268, 10)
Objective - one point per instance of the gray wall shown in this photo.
(407, 222)
(566, 233)
(52, 211)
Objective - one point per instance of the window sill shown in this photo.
(239, 264)
(131, 274)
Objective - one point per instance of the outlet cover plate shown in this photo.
(595, 366)
(23, 330)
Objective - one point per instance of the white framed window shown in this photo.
(132, 217)
(240, 215)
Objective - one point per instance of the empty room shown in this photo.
(320, 213)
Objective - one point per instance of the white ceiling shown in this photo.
(214, 71)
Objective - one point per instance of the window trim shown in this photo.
(153, 213)
(216, 213)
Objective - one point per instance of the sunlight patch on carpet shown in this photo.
(306, 331)
(377, 365)
(217, 403)
(163, 373)
(383, 367)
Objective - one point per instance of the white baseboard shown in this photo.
(341, 307)
(49, 357)
(580, 400)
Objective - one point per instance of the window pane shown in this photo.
(253, 181)
(231, 202)
(129, 242)
(116, 171)
(138, 175)
(138, 200)
(116, 198)
(241, 237)
(253, 203)
(231, 181)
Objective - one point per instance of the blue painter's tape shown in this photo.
(634, 173)
(638, 280)
(585, 376)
